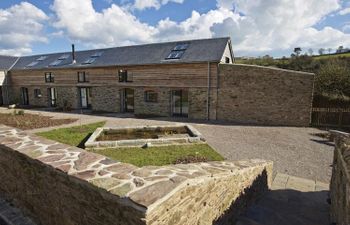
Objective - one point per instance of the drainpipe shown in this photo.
(7, 82)
(208, 96)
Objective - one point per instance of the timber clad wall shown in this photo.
(238, 93)
(261, 95)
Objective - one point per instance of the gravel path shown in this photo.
(294, 151)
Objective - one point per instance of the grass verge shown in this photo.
(75, 136)
(160, 155)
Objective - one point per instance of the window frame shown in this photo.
(49, 77)
(84, 80)
(37, 93)
(124, 76)
(149, 93)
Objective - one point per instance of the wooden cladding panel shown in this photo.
(186, 75)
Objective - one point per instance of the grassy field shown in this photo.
(156, 156)
(75, 136)
(332, 56)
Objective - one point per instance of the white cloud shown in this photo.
(21, 25)
(144, 4)
(255, 26)
(344, 12)
(112, 26)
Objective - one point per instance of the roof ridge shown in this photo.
(128, 46)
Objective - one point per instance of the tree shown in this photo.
(333, 78)
(340, 49)
(297, 51)
(311, 51)
(329, 50)
(321, 51)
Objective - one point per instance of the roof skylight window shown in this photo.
(41, 58)
(32, 64)
(89, 61)
(181, 47)
(96, 54)
(55, 63)
(178, 51)
(63, 57)
(175, 55)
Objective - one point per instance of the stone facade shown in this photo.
(68, 96)
(237, 93)
(64, 185)
(262, 95)
(159, 108)
(106, 99)
(340, 182)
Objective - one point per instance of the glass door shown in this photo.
(180, 103)
(52, 97)
(127, 100)
(24, 94)
(84, 97)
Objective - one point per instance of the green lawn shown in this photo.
(158, 156)
(75, 136)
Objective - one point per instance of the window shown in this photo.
(175, 55)
(49, 77)
(82, 77)
(227, 60)
(41, 58)
(96, 54)
(63, 57)
(124, 76)
(178, 51)
(32, 64)
(151, 96)
(180, 47)
(55, 63)
(89, 61)
(37, 93)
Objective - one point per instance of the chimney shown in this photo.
(73, 55)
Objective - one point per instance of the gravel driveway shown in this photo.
(294, 151)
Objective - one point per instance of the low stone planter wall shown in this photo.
(93, 143)
(340, 183)
(62, 185)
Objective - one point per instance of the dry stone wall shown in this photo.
(64, 185)
(263, 95)
(340, 182)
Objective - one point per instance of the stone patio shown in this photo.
(291, 201)
(311, 155)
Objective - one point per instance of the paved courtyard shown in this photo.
(294, 151)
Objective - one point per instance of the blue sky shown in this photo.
(256, 27)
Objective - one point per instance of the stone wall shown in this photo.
(68, 95)
(106, 98)
(64, 185)
(159, 108)
(262, 95)
(340, 182)
(16, 97)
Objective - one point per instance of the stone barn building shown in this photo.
(196, 79)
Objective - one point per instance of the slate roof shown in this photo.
(204, 50)
(6, 62)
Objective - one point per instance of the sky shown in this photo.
(256, 27)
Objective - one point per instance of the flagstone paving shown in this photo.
(291, 201)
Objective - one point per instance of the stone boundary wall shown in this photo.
(62, 185)
(264, 95)
(340, 182)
